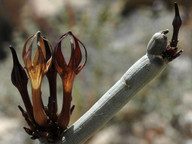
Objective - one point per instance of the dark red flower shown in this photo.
(45, 121)
(36, 70)
(67, 72)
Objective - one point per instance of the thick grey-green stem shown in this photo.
(136, 77)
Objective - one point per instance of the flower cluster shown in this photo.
(45, 121)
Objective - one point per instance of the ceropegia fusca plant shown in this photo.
(50, 126)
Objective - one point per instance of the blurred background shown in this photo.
(116, 33)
